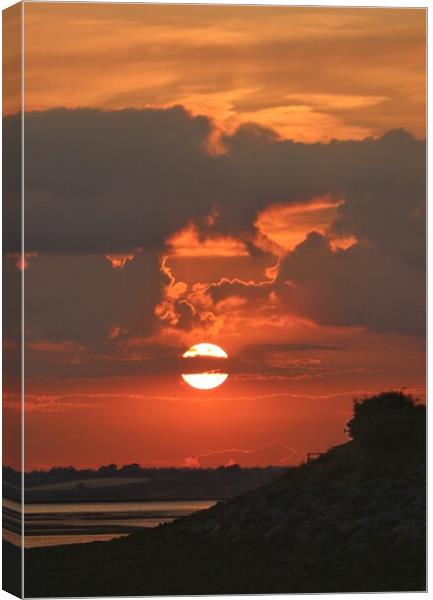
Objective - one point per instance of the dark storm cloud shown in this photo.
(358, 286)
(361, 286)
(382, 181)
(101, 181)
(11, 184)
(61, 361)
(112, 181)
(82, 298)
(256, 350)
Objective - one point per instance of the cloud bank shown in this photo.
(122, 183)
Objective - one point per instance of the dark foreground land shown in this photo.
(353, 520)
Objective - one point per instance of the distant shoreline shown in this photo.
(119, 501)
(67, 523)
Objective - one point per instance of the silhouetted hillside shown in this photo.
(351, 520)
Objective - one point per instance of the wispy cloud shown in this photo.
(274, 453)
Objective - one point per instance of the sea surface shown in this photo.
(73, 523)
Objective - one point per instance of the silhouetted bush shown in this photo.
(388, 421)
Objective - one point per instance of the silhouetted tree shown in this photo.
(63, 473)
(131, 469)
(108, 469)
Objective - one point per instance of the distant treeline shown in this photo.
(60, 474)
(132, 482)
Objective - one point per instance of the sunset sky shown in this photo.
(247, 176)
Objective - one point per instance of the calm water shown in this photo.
(73, 523)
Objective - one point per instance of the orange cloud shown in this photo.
(287, 225)
(273, 453)
(49, 346)
(118, 261)
(22, 260)
(187, 243)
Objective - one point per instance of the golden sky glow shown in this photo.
(149, 231)
(344, 73)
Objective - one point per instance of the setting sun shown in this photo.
(208, 379)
